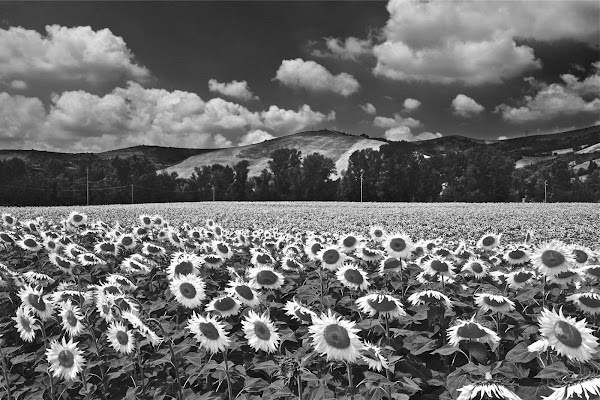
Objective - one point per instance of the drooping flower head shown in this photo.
(368, 254)
(390, 265)
(577, 388)
(429, 297)
(476, 267)
(494, 302)
(516, 256)
(519, 278)
(486, 389)
(371, 354)
(71, 319)
(297, 311)
(588, 301)
(39, 303)
(471, 330)
(380, 303)
(568, 336)
(335, 338)
(437, 265)
(26, 323)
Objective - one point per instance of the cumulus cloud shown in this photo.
(133, 115)
(255, 136)
(368, 108)
(473, 42)
(313, 76)
(403, 133)
(289, 121)
(555, 100)
(349, 49)
(397, 121)
(75, 55)
(235, 89)
(411, 104)
(18, 84)
(465, 106)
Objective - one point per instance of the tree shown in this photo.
(316, 178)
(285, 165)
(239, 187)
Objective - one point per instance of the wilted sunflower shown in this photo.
(265, 277)
(244, 291)
(71, 319)
(209, 332)
(577, 388)
(552, 258)
(260, 332)
(120, 338)
(224, 305)
(472, 331)
(65, 359)
(371, 354)
(494, 302)
(384, 304)
(377, 234)
(353, 277)
(188, 290)
(486, 389)
(398, 245)
(567, 336)
(489, 241)
(26, 323)
(429, 296)
(588, 301)
(335, 338)
(37, 278)
(297, 311)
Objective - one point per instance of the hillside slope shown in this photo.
(334, 145)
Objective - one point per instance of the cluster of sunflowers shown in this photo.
(292, 313)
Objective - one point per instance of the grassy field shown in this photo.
(569, 222)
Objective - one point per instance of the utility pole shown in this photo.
(87, 185)
(213, 189)
(545, 191)
(361, 186)
(132, 193)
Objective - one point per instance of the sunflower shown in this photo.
(26, 323)
(72, 250)
(312, 249)
(52, 245)
(331, 258)
(261, 259)
(565, 277)
(592, 271)
(377, 234)
(494, 302)
(40, 304)
(519, 278)
(7, 238)
(183, 264)
(384, 304)
(142, 328)
(581, 254)
(146, 221)
(151, 249)
(476, 267)
(120, 338)
(9, 220)
(348, 243)
(437, 265)
(265, 277)
(577, 388)
(368, 254)
(587, 301)
(538, 346)
(71, 319)
(209, 332)
(29, 243)
(260, 332)
(353, 277)
(174, 237)
(567, 336)
(223, 250)
(489, 241)
(472, 331)
(123, 283)
(297, 311)
(212, 261)
(89, 259)
(335, 337)
(224, 305)
(188, 290)
(371, 354)
(429, 296)
(107, 247)
(552, 258)
(37, 278)
(134, 265)
(65, 359)
(291, 264)
(516, 256)
(109, 290)
(486, 389)
(244, 292)
(76, 218)
(398, 245)
(389, 265)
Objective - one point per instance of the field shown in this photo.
(300, 301)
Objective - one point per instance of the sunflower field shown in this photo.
(157, 308)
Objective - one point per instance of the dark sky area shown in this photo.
(93, 76)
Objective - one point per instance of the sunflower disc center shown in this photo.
(516, 254)
(397, 244)
(392, 263)
(245, 292)
(184, 268)
(471, 331)
(30, 243)
(66, 359)
(552, 258)
(580, 256)
(77, 218)
(493, 302)
(209, 330)
(263, 259)
(25, 323)
(315, 248)
(521, 277)
(222, 248)
(187, 290)
(262, 331)
(439, 266)
(331, 256)
(71, 319)
(122, 338)
(266, 277)
(36, 302)
(225, 304)
(127, 241)
(353, 276)
(336, 336)
(590, 302)
(349, 241)
(304, 316)
(568, 334)
(476, 267)
(382, 305)
(488, 240)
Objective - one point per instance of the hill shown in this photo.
(335, 145)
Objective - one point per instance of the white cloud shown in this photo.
(81, 121)
(397, 121)
(255, 136)
(350, 49)
(502, 137)
(403, 133)
(465, 106)
(411, 104)
(555, 100)
(289, 121)
(473, 42)
(18, 84)
(313, 76)
(235, 89)
(369, 108)
(74, 55)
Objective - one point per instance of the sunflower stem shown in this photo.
(387, 339)
(5, 372)
(544, 294)
(139, 358)
(350, 387)
(52, 395)
(299, 380)
(85, 386)
(321, 282)
(229, 392)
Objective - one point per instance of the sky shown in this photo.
(97, 76)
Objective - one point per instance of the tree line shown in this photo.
(395, 172)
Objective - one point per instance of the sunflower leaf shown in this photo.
(520, 354)
(554, 371)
